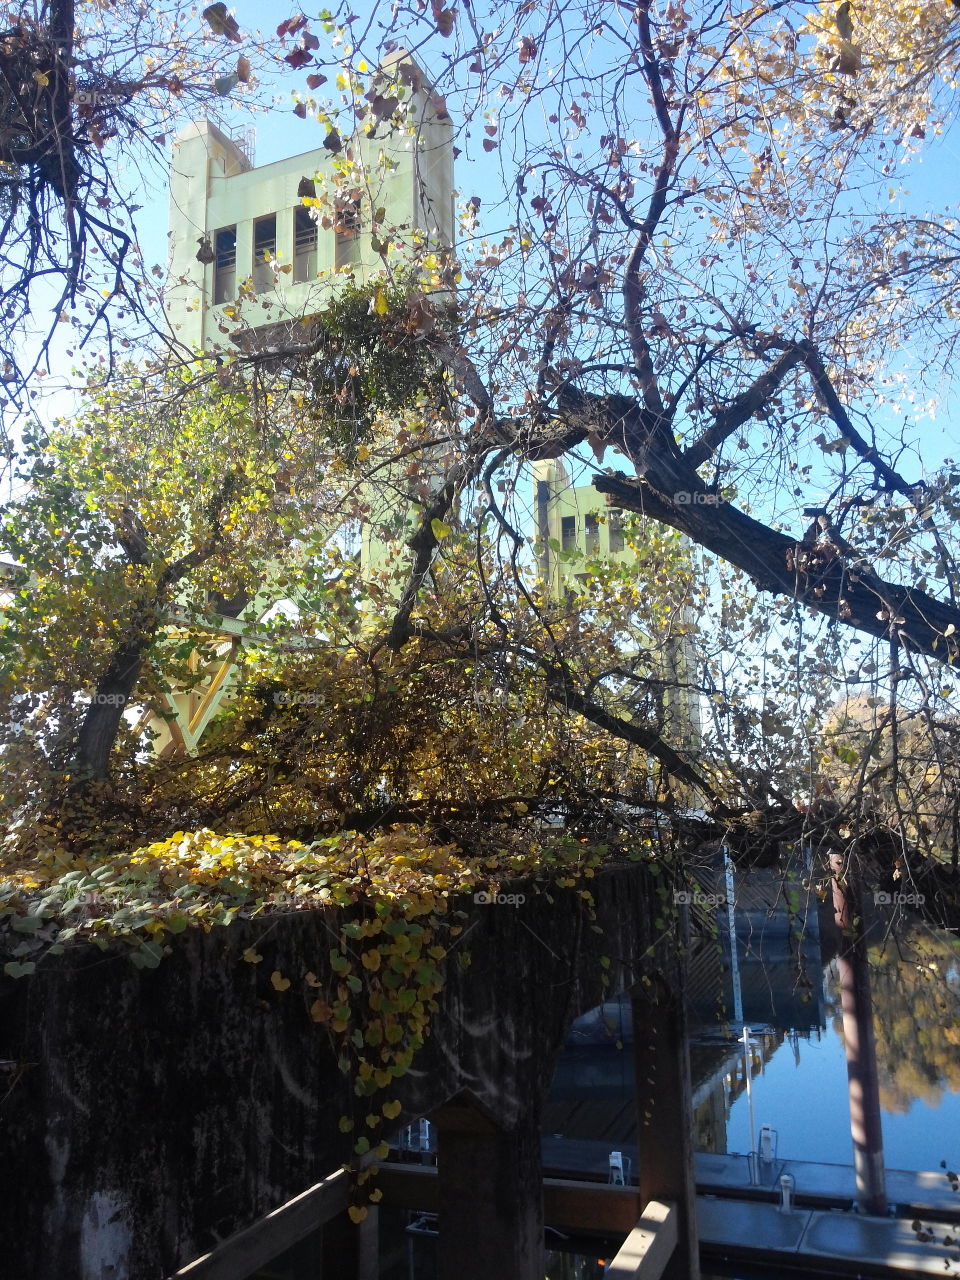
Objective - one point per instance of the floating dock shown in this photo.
(740, 1219)
(816, 1240)
(817, 1186)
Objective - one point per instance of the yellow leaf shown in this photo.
(440, 530)
(380, 303)
(376, 1195)
(371, 960)
(41, 78)
(357, 1213)
(251, 956)
(280, 983)
(392, 1109)
(320, 1011)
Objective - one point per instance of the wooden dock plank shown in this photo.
(818, 1185)
(566, 1204)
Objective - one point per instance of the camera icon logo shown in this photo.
(682, 897)
(899, 899)
(482, 898)
(682, 498)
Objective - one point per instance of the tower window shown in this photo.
(225, 264)
(568, 533)
(304, 245)
(264, 250)
(347, 230)
(616, 531)
(592, 534)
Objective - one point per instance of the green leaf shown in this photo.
(26, 924)
(148, 956)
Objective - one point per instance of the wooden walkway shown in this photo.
(826, 1186)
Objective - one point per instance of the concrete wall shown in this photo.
(149, 1114)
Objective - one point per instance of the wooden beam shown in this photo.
(589, 1206)
(246, 1252)
(664, 1099)
(649, 1246)
(567, 1205)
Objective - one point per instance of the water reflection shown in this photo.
(916, 996)
(780, 980)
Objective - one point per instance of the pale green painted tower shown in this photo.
(574, 525)
(266, 263)
(267, 260)
(270, 259)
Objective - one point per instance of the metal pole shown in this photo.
(858, 1036)
(732, 931)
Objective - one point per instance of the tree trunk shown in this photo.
(98, 732)
(858, 1038)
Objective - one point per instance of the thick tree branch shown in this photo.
(561, 689)
(740, 410)
(815, 574)
(633, 289)
(425, 542)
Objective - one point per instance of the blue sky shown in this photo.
(926, 182)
